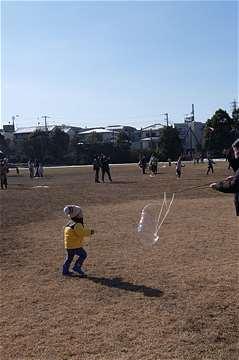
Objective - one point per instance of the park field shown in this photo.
(176, 300)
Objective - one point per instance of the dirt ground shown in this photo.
(177, 300)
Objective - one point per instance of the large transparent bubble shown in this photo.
(151, 219)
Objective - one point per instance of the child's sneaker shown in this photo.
(78, 270)
(67, 273)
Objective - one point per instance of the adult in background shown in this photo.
(153, 165)
(232, 161)
(105, 167)
(179, 166)
(96, 168)
(31, 168)
(36, 165)
(3, 173)
(143, 164)
(231, 183)
(40, 170)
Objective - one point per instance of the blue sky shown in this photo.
(105, 63)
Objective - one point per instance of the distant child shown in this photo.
(74, 234)
(179, 166)
(210, 164)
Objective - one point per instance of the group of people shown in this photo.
(35, 168)
(153, 165)
(101, 163)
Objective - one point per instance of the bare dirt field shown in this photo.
(177, 300)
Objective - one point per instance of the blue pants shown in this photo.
(82, 255)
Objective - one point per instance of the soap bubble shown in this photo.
(151, 219)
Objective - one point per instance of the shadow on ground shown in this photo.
(118, 283)
(120, 182)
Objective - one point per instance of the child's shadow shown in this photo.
(119, 284)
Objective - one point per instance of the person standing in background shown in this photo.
(105, 167)
(96, 168)
(31, 168)
(3, 174)
(231, 183)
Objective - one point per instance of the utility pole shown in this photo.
(234, 108)
(192, 112)
(166, 117)
(151, 140)
(45, 117)
(191, 124)
(234, 105)
(141, 143)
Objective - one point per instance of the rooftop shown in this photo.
(150, 138)
(97, 131)
(31, 129)
(153, 127)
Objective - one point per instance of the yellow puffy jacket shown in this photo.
(74, 234)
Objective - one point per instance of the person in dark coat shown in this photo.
(231, 183)
(105, 167)
(3, 173)
(96, 168)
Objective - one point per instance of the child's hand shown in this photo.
(92, 232)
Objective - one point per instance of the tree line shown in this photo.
(56, 147)
(220, 131)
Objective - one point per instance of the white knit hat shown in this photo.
(73, 211)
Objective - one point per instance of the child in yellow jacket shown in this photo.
(74, 234)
